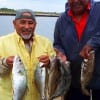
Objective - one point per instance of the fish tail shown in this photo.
(85, 91)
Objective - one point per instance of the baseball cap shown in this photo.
(25, 13)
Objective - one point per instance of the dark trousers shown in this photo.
(95, 94)
(76, 94)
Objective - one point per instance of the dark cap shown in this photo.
(25, 13)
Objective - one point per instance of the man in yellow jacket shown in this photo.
(30, 47)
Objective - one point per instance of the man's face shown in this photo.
(78, 6)
(24, 27)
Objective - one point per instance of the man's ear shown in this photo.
(14, 23)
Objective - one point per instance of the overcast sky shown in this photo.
(35, 5)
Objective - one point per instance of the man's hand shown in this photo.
(60, 55)
(9, 61)
(44, 59)
(85, 51)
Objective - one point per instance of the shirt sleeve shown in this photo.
(57, 41)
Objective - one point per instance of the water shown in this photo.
(45, 26)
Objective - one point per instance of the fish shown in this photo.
(40, 80)
(19, 79)
(59, 78)
(87, 69)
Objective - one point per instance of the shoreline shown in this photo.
(44, 15)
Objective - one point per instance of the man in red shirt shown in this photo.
(73, 29)
(79, 12)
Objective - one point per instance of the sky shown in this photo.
(35, 5)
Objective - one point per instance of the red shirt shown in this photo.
(80, 25)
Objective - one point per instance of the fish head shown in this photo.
(17, 60)
(18, 64)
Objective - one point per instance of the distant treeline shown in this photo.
(6, 11)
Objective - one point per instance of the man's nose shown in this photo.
(26, 25)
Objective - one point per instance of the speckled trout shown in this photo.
(19, 79)
(40, 80)
(59, 79)
(53, 82)
(87, 69)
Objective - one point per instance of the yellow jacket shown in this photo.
(12, 45)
